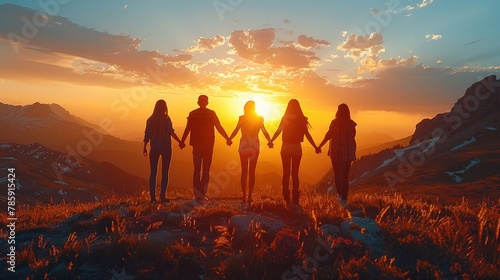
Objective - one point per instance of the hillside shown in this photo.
(47, 176)
(375, 237)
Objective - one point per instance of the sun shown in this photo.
(267, 108)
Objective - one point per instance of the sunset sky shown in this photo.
(392, 62)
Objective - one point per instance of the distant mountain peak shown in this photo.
(476, 109)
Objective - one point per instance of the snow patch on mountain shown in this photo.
(465, 143)
(459, 179)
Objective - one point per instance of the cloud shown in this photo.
(425, 3)
(61, 37)
(433, 36)
(204, 44)
(286, 21)
(1, 81)
(439, 61)
(367, 49)
(309, 42)
(258, 46)
(374, 11)
(343, 33)
(408, 8)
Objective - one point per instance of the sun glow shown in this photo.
(271, 110)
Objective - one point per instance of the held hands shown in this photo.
(229, 142)
(318, 150)
(270, 145)
(182, 145)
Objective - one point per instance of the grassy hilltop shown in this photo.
(128, 237)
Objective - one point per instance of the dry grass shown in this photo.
(424, 240)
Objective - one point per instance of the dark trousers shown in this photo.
(341, 170)
(202, 159)
(291, 163)
(166, 156)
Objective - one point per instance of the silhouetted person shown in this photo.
(250, 124)
(294, 126)
(200, 124)
(158, 131)
(342, 149)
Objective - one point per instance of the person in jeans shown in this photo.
(158, 131)
(342, 149)
(250, 124)
(200, 125)
(294, 126)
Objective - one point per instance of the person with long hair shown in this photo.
(158, 131)
(342, 151)
(250, 124)
(294, 126)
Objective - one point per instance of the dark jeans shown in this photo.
(341, 170)
(166, 156)
(291, 163)
(202, 157)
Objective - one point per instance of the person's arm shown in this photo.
(147, 132)
(235, 131)
(144, 150)
(220, 129)
(310, 139)
(327, 137)
(277, 133)
(185, 134)
(171, 131)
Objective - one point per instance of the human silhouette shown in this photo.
(342, 151)
(294, 126)
(200, 124)
(250, 124)
(158, 131)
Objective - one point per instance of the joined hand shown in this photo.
(182, 145)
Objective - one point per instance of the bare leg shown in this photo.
(286, 161)
(244, 172)
(295, 178)
(251, 175)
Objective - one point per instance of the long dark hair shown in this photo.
(158, 120)
(294, 113)
(343, 113)
(249, 108)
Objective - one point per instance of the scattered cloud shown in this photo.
(425, 3)
(433, 36)
(1, 81)
(309, 42)
(286, 21)
(343, 33)
(126, 6)
(439, 61)
(367, 50)
(257, 46)
(374, 11)
(204, 44)
(408, 8)
(358, 46)
(63, 38)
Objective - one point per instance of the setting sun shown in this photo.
(271, 110)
